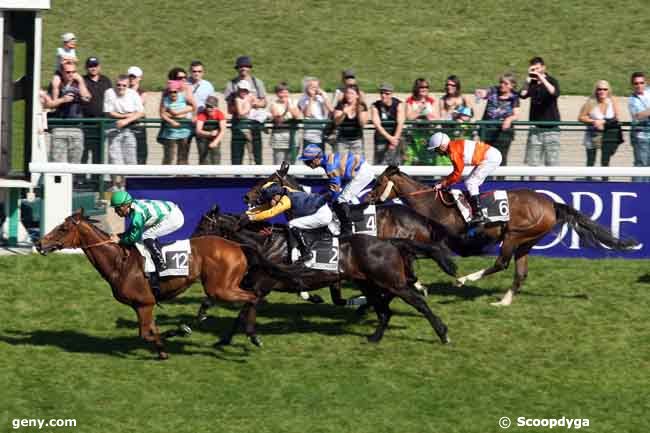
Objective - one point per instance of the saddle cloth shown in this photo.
(494, 205)
(364, 219)
(324, 249)
(177, 257)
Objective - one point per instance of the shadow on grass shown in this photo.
(468, 292)
(121, 347)
(644, 279)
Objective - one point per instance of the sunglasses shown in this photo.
(601, 89)
(452, 85)
(197, 71)
(423, 87)
(386, 92)
(121, 85)
(638, 83)
(181, 77)
(173, 91)
(69, 72)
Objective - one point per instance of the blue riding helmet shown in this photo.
(310, 152)
(271, 191)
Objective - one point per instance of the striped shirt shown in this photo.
(145, 214)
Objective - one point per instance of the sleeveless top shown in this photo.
(597, 114)
(184, 130)
(349, 129)
(388, 114)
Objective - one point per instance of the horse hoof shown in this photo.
(499, 304)
(223, 342)
(202, 318)
(373, 339)
(256, 340)
(445, 339)
(185, 330)
(459, 282)
(315, 299)
(162, 356)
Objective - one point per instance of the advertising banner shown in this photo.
(622, 207)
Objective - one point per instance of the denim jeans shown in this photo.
(641, 143)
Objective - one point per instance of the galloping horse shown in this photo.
(532, 216)
(381, 269)
(220, 264)
(393, 221)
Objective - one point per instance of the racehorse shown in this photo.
(381, 269)
(532, 216)
(220, 265)
(393, 221)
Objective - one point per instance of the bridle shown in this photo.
(391, 185)
(96, 244)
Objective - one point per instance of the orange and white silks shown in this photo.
(482, 156)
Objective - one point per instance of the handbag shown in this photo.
(611, 124)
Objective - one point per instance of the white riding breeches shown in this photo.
(171, 223)
(351, 191)
(321, 218)
(484, 169)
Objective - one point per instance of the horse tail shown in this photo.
(437, 252)
(285, 273)
(592, 233)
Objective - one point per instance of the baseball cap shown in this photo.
(348, 73)
(386, 87)
(244, 85)
(212, 101)
(243, 61)
(281, 86)
(134, 70)
(67, 37)
(92, 61)
(437, 139)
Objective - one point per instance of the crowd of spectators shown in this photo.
(189, 110)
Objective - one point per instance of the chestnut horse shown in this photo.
(218, 263)
(532, 216)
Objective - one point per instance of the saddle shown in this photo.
(177, 257)
(494, 205)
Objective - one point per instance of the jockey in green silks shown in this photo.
(150, 219)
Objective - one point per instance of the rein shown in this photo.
(390, 185)
(104, 242)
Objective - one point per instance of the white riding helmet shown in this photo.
(438, 139)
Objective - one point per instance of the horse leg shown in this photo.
(201, 315)
(335, 294)
(383, 316)
(413, 298)
(309, 297)
(226, 338)
(421, 288)
(149, 331)
(521, 272)
(250, 322)
(500, 264)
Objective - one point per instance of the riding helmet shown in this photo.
(119, 198)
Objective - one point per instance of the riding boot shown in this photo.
(342, 211)
(305, 252)
(153, 245)
(477, 215)
(292, 242)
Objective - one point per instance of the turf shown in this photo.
(396, 41)
(574, 344)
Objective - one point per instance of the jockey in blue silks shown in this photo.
(348, 175)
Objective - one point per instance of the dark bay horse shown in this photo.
(218, 263)
(393, 221)
(532, 216)
(381, 269)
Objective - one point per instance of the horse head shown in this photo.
(281, 177)
(65, 235)
(384, 188)
(216, 223)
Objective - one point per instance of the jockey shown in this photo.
(310, 211)
(150, 219)
(482, 156)
(348, 175)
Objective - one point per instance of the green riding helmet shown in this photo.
(120, 198)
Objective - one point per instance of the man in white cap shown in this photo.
(67, 51)
(135, 77)
(482, 156)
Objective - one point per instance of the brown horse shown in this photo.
(218, 263)
(532, 216)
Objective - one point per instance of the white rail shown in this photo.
(302, 170)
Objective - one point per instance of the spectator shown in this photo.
(97, 84)
(388, 117)
(67, 142)
(503, 106)
(68, 50)
(314, 105)
(210, 135)
(420, 106)
(348, 78)
(242, 134)
(125, 105)
(174, 134)
(201, 88)
(179, 74)
(639, 107)
(250, 139)
(454, 106)
(601, 114)
(140, 131)
(350, 116)
(283, 109)
(543, 146)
